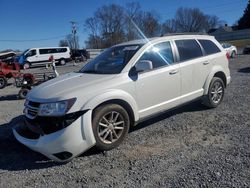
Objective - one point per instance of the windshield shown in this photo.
(25, 51)
(111, 61)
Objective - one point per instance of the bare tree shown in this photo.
(63, 43)
(149, 23)
(111, 20)
(132, 13)
(71, 42)
(169, 26)
(190, 20)
(92, 25)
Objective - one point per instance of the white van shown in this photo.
(37, 56)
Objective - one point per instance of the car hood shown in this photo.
(65, 86)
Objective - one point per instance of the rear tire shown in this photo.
(215, 93)
(62, 62)
(3, 82)
(110, 126)
(233, 54)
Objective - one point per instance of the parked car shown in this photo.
(38, 56)
(247, 49)
(232, 50)
(119, 88)
(79, 55)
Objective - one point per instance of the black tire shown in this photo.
(26, 65)
(233, 54)
(62, 62)
(215, 93)
(115, 115)
(3, 82)
(23, 93)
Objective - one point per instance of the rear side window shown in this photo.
(209, 47)
(188, 49)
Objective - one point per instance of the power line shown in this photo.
(33, 40)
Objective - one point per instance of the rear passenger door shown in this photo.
(193, 75)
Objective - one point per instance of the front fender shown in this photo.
(112, 94)
(215, 69)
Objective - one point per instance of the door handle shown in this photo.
(173, 72)
(205, 62)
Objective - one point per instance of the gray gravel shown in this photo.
(191, 146)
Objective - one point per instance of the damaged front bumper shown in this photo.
(58, 144)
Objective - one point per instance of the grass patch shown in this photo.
(239, 43)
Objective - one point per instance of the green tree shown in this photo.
(244, 21)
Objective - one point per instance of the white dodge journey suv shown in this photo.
(123, 85)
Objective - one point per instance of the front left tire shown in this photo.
(110, 125)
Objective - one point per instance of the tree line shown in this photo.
(112, 24)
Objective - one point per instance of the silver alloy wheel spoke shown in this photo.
(104, 118)
(118, 123)
(103, 132)
(118, 128)
(115, 134)
(106, 135)
(104, 125)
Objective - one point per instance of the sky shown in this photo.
(39, 23)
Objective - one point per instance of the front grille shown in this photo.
(31, 109)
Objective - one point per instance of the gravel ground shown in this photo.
(191, 146)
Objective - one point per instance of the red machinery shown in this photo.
(12, 70)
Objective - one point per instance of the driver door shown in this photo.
(159, 88)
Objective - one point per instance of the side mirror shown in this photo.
(143, 65)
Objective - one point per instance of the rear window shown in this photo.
(188, 49)
(209, 47)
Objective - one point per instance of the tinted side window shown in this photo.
(188, 49)
(60, 50)
(209, 47)
(160, 55)
(43, 51)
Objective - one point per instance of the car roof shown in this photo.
(167, 37)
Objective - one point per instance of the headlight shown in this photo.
(56, 108)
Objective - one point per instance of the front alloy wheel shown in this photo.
(110, 126)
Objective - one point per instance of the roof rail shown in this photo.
(187, 33)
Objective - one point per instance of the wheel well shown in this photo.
(222, 76)
(124, 104)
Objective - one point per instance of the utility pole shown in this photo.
(74, 36)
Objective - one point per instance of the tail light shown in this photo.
(228, 56)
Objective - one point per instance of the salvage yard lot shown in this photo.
(188, 146)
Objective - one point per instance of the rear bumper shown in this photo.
(73, 140)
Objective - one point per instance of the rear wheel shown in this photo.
(215, 93)
(3, 82)
(62, 62)
(110, 126)
(233, 54)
